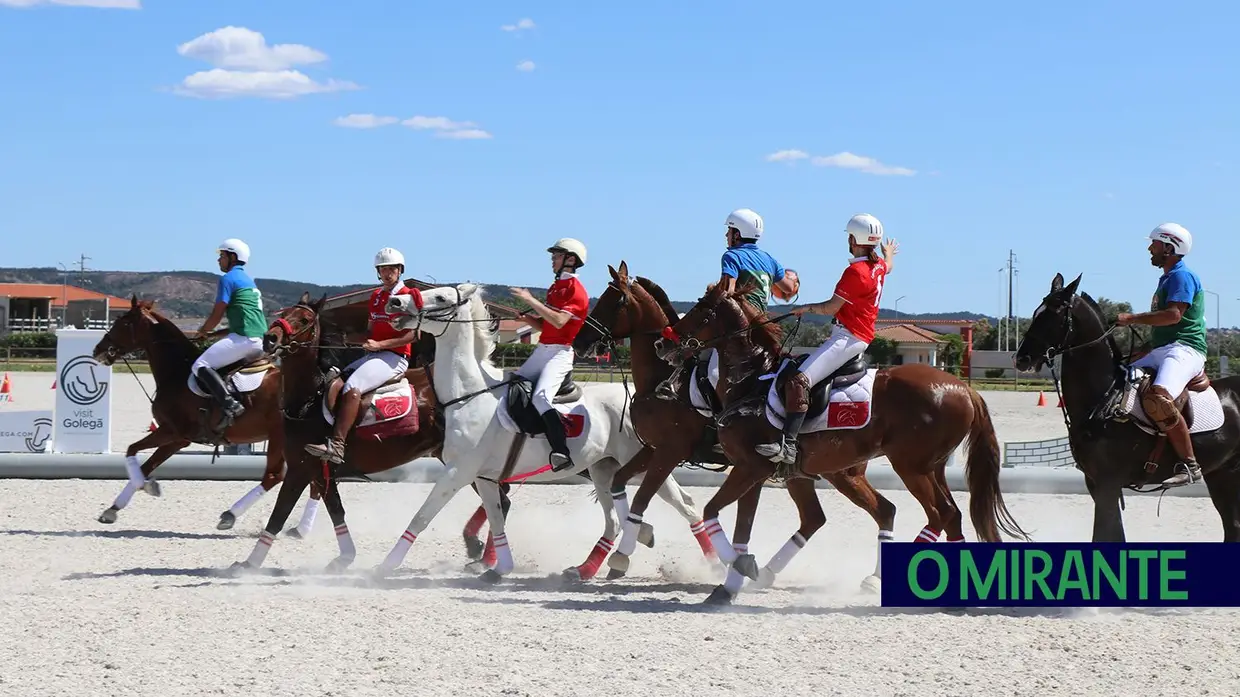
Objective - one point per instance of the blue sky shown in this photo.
(1064, 131)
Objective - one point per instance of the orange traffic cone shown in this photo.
(6, 390)
(53, 383)
(1041, 399)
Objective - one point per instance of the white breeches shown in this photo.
(547, 367)
(1176, 365)
(230, 349)
(374, 369)
(837, 350)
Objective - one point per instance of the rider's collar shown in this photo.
(564, 275)
(856, 259)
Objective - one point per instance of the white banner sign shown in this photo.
(83, 394)
(25, 431)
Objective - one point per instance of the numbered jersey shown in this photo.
(861, 286)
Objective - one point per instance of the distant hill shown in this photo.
(191, 293)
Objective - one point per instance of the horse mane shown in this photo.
(169, 330)
(768, 335)
(485, 337)
(660, 297)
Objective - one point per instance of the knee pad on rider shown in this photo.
(796, 393)
(1160, 406)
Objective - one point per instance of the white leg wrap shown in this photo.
(620, 499)
(261, 548)
(883, 536)
(503, 555)
(785, 554)
(122, 499)
(345, 540)
(244, 503)
(628, 533)
(307, 517)
(397, 556)
(134, 469)
(719, 539)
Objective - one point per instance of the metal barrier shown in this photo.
(198, 466)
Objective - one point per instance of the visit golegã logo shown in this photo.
(37, 442)
(80, 383)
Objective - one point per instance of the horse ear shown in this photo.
(1071, 289)
(305, 298)
(1057, 283)
(133, 302)
(318, 304)
(614, 276)
(624, 269)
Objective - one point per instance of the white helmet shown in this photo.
(865, 230)
(236, 246)
(389, 257)
(572, 246)
(746, 222)
(1174, 234)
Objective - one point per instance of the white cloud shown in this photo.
(869, 165)
(104, 4)
(521, 25)
(282, 84)
(246, 49)
(464, 134)
(445, 127)
(787, 156)
(364, 121)
(525, 66)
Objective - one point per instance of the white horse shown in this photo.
(479, 432)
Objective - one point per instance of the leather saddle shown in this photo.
(1199, 383)
(336, 385)
(521, 406)
(845, 375)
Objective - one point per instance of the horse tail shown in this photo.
(986, 508)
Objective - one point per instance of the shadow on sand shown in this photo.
(125, 534)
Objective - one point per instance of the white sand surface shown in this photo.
(143, 607)
(1016, 414)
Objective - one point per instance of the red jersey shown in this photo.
(567, 294)
(861, 286)
(381, 328)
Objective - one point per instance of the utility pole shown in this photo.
(1011, 269)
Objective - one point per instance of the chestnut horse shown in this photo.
(178, 412)
(294, 336)
(639, 310)
(919, 416)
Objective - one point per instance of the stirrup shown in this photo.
(329, 451)
(774, 451)
(1185, 474)
(560, 462)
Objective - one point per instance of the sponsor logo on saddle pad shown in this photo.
(1060, 574)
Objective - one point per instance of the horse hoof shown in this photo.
(477, 567)
(614, 574)
(572, 573)
(152, 487)
(766, 578)
(746, 565)
(338, 565)
(240, 568)
(645, 534)
(473, 547)
(618, 562)
(108, 517)
(294, 534)
(227, 520)
(872, 584)
(491, 576)
(719, 596)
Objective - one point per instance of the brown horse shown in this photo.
(920, 415)
(679, 431)
(294, 336)
(183, 417)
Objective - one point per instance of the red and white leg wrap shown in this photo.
(735, 580)
(699, 533)
(597, 555)
(488, 552)
(928, 534)
(261, 548)
(719, 541)
(345, 541)
(395, 557)
(475, 522)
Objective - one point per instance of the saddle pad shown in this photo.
(240, 382)
(389, 403)
(848, 408)
(1206, 406)
(696, 398)
(573, 416)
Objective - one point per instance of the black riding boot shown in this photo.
(211, 380)
(560, 459)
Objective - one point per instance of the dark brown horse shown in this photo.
(183, 417)
(1114, 448)
(639, 310)
(294, 336)
(919, 416)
